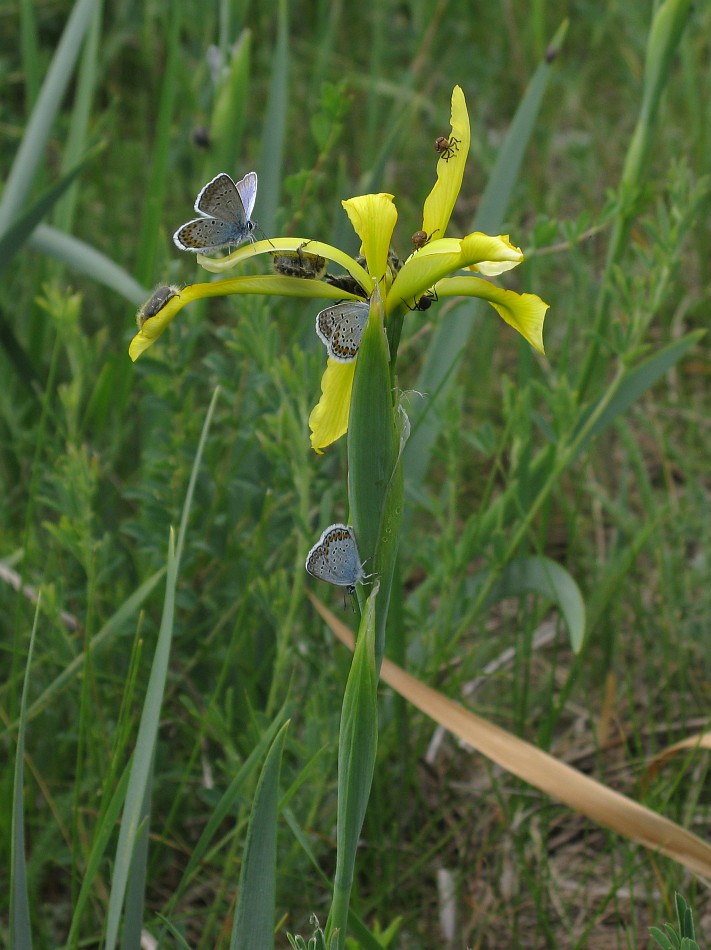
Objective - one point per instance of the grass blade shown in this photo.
(85, 259)
(271, 165)
(31, 150)
(141, 768)
(230, 111)
(636, 382)
(31, 65)
(357, 746)
(157, 179)
(254, 918)
(540, 575)
(20, 927)
(17, 233)
(111, 628)
(76, 144)
(225, 804)
(100, 841)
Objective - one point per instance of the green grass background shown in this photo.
(96, 455)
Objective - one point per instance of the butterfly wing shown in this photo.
(208, 234)
(220, 199)
(340, 328)
(247, 189)
(334, 558)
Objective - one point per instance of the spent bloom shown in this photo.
(438, 267)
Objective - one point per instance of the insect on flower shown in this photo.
(155, 303)
(420, 238)
(446, 146)
(425, 302)
(299, 263)
(340, 329)
(226, 209)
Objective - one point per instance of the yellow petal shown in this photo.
(450, 171)
(247, 251)
(524, 312)
(273, 284)
(422, 270)
(491, 255)
(152, 327)
(373, 218)
(329, 418)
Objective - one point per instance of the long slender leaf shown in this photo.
(556, 779)
(230, 111)
(136, 886)
(85, 259)
(31, 66)
(20, 926)
(101, 838)
(540, 575)
(111, 628)
(76, 144)
(357, 746)
(224, 806)
(157, 179)
(637, 382)
(253, 927)
(271, 167)
(356, 926)
(31, 150)
(18, 232)
(141, 769)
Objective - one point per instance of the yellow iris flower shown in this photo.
(373, 218)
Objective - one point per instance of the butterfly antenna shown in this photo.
(261, 230)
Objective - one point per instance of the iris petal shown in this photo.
(524, 312)
(373, 218)
(329, 418)
(450, 171)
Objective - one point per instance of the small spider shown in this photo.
(420, 238)
(425, 302)
(447, 146)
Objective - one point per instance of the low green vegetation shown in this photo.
(192, 754)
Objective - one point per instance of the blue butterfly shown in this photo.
(334, 558)
(226, 209)
(340, 328)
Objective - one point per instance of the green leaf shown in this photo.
(31, 150)
(635, 383)
(87, 260)
(661, 939)
(231, 108)
(271, 168)
(231, 794)
(254, 918)
(540, 575)
(357, 747)
(159, 172)
(101, 838)
(18, 232)
(20, 927)
(142, 766)
(374, 469)
(111, 628)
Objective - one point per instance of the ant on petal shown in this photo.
(425, 302)
(420, 238)
(447, 146)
